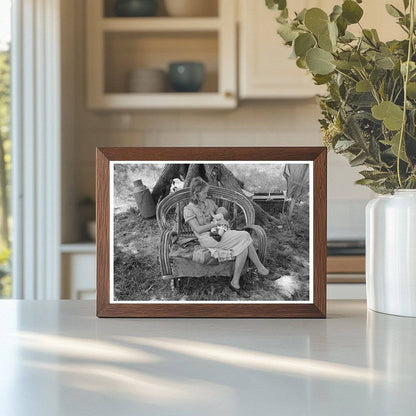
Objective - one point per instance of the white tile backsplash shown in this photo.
(346, 219)
(285, 123)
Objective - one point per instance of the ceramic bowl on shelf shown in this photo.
(135, 8)
(147, 80)
(186, 76)
(191, 8)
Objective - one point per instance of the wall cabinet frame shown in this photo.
(156, 30)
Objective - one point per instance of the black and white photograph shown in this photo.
(211, 232)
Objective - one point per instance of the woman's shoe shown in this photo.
(264, 272)
(240, 292)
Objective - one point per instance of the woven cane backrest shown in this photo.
(176, 201)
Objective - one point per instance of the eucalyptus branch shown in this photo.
(406, 79)
(373, 89)
(397, 95)
(404, 29)
(345, 75)
(369, 41)
(392, 90)
(365, 61)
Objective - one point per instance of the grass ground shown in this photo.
(137, 271)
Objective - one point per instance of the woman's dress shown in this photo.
(232, 242)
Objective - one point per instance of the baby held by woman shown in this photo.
(220, 224)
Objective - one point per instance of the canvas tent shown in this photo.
(297, 178)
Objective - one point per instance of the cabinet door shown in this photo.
(78, 276)
(265, 68)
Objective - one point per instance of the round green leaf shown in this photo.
(411, 90)
(324, 42)
(327, 40)
(316, 20)
(342, 64)
(286, 32)
(333, 32)
(412, 67)
(347, 37)
(301, 63)
(385, 63)
(391, 114)
(342, 25)
(351, 11)
(394, 144)
(358, 61)
(303, 43)
(321, 79)
(301, 15)
(319, 61)
(368, 35)
(363, 86)
(276, 4)
(336, 12)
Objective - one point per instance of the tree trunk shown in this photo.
(291, 206)
(163, 184)
(219, 175)
(214, 174)
(193, 171)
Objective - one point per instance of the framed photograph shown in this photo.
(211, 232)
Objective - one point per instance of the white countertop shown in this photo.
(56, 358)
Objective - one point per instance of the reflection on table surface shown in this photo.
(62, 360)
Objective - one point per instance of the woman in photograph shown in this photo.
(233, 244)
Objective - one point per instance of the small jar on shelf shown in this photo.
(135, 8)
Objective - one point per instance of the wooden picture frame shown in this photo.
(315, 307)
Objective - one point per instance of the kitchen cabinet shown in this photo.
(78, 263)
(118, 45)
(265, 70)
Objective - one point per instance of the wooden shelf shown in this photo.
(345, 269)
(163, 101)
(346, 264)
(81, 247)
(116, 46)
(345, 278)
(159, 24)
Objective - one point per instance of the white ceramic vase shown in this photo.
(391, 253)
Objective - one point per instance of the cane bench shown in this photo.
(177, 241)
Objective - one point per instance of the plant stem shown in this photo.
(373, 89)
(369, 41)
(345, 75)
(397, 95)
(392, 90)
(406, 79)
